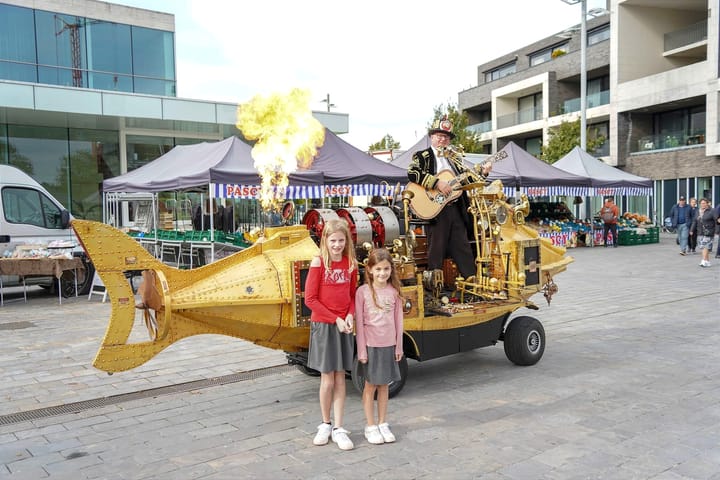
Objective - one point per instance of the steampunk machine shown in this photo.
(257, 293)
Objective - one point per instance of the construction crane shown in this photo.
(75, 54)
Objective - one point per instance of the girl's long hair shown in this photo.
(376, 256)
(333, 226)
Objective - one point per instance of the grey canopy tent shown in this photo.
(345, 170)
(605, 179)
(520, 171)
(190, 166)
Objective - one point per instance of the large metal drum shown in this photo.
(315, 220)
(385, 225)
(360, 227)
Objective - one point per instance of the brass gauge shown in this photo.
(501, 214)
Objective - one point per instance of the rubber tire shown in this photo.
(358, 378)
(67, 281)
(524, 341)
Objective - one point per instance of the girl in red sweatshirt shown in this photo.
(330, 295)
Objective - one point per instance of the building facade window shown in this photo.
(56, 49)
(598, 91)
(534, 146)
(153, 61)
(17, 44)
(547, 54)
(499, 72)
(597, 130)
(598, 35)
(685, 126)
(530, 108)
(94, 157)
(42, 153)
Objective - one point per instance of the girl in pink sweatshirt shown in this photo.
(379, 330)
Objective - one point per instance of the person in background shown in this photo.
(448, 231)
(609, 214)
(707, 227)
(680, 220)
(717, 211)
(330, 295)
(692, 236)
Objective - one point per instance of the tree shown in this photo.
(387, 143)
(565, 137)
(469, 140)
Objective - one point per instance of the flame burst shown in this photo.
(287, 136)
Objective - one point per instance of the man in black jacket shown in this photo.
(448, 232)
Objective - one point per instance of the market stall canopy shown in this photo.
(605, 179)
(190, 166)
(345, 170)
(403, 160)
(518, 170)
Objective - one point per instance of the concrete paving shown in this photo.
(629, 388)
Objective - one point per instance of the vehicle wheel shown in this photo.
(524, 341)
(307, 370)
(67, 281)
(358, 377)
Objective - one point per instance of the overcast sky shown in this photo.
(385, 63)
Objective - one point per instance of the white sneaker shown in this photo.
(340, 436)
(704, 263)
(323, 434)
(372, 433)
(387, 435)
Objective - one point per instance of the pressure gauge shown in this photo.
(501, 214)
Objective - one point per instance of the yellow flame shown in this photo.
(287, 136)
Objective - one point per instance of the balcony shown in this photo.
(593, 100)
(521, 116)
(480, 128)
(669, 140)
(685, 37)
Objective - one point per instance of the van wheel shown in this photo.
(358, 377)
(84, 281)
(524, 341)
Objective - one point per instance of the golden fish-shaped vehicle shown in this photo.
(257, 294)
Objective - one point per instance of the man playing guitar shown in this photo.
(447, 232)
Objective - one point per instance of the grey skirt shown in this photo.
(381, 367)
(330, 350)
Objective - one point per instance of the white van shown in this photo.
(29, 214)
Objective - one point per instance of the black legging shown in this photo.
(610, 227)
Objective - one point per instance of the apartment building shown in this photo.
(88, 91)
(652, 91)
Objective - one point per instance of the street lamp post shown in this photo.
(583, 70)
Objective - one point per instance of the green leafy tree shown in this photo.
(469, 140)
(387, 143)
(565, 137)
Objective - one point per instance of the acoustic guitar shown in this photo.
(426, 204)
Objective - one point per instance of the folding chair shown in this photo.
(98, 288)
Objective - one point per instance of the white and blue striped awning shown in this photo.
(294, 192)
(548, 191)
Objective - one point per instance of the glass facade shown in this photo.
(17, 44)
(56, 49)
(71, 163)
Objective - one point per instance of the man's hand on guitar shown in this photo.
(444, 187)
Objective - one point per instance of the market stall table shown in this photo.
(44, 266)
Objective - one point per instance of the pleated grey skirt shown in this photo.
(330, 350)
(381, 367)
